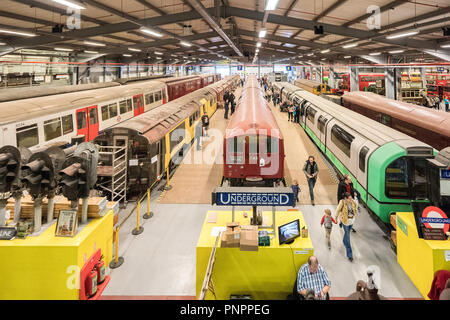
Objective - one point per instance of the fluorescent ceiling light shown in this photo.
(445, 46)
(19, 33)
(95, 44)
(258, 44)
(174, 55)
(2, 44)
(310, 54)
(63, 49)
(151, 32)
(159, 53)
(158, 58)
(347, 57)
(186, 44)
(325, 51)
(300, 56)
(352, 45)
(185, 57)
(127, 55)
(374, 54)
(397, 51)
(88, 51)
(69, 4)
(262, 33)
(401, 35)
(133, 49)
(323, 59)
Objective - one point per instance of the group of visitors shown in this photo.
(229, 102)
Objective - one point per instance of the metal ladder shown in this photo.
(117, 184)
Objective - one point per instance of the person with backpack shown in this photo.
(232, 102)
(205, 124)
(311, 171)
(327, 221)
(226, 100)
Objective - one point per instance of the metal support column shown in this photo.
(354, 79)
(391, 83)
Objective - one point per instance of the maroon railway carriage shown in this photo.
(253, 143)
(427, 125)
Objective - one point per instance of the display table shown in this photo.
(268, 273)
(48, 267)
(419, 258)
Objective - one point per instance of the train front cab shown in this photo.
(253, 157)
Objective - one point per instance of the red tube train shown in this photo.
(424, 124)
(253, 144)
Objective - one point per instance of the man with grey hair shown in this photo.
(312, 276)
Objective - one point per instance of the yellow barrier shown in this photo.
(149, 214)
(118, 261)
(168, 187)
(138, 229)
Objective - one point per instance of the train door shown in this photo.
(138, 104)
(162, 154)
(93, 123)
(82, 126)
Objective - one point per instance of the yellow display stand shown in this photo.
(419, 258)
(268, 273)
(47, 267)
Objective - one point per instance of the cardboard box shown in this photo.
(249, 240)
(232, 225)
(394, 220)
(394, 236)
(231, 237)
(249, 227)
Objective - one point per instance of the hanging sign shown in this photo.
(435, 218)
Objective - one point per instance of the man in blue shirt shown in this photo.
(446, 104)
(312, 276)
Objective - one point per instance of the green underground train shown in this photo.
(387, 167)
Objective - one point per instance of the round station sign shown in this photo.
(434, 217)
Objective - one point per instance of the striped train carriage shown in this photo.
(285, 90)
(313, 86)
(425, 124)
(42, 121)
(387, 167)
(156, 138)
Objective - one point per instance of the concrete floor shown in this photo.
(161, 261)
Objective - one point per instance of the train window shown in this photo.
(177, 135)
(113, 110)
(81, 120)
(191, 120)
(105, 113)
(27, 136)
(236, 145)
(311, 113)
(135, 103)
(123, 107)
(342, 139)
(151, 99)
(321, 123)
(396, 179)
(362, 158)
(67, 124)
(93, 116)
(52, 129)
(158, 94)
(253, 144)
(272, 145)
(386, 119)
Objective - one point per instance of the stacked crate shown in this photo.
(394, 225)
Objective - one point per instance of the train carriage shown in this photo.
(253, 143)
(425, 124)
(313, 86)
(46, 120)
(387, 167)
(160, 137)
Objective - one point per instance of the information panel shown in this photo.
(228, 196)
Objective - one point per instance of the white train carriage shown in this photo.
(43, 121)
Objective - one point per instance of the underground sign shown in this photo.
(435, 218)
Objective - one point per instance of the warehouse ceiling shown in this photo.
(186, 31)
